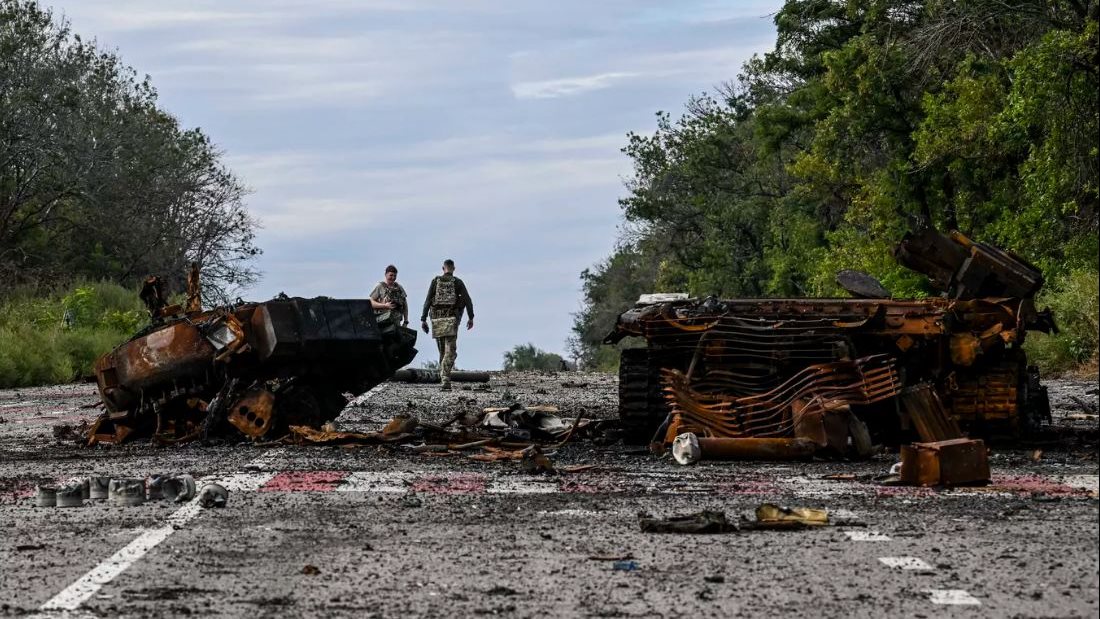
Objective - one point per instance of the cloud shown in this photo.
(569, 86)
(496, 192)
(406, 131)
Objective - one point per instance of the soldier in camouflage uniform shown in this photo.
(447, 299)
(389, 291)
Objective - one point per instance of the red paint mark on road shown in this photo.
(751, 487)
(305, 481)
(592, 485)
(450, 484)
(1032, 484)
(12, 491)
(906, 492)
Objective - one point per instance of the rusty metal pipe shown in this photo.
(756, 448)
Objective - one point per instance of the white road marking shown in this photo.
(953, 597)
(511, 486)
(266, 459)
(809, 487)
(843, 514)
(87, 585)
(580, 513)
(1084, 482)
(906, 563)
(867, 536)
(363, 397)
(64, 614)
(398, 482)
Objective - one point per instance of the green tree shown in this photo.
(530, 357)
(868, 119)
(96, 180)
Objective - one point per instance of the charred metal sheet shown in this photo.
(861, 285)
(927, 414)
(819, 395)
(252, 413)
(965, 269)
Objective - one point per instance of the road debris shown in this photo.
(126, 491)
(768, 517)
(954, 462)
(625, 557)
(46, 496)
(534, 462)
(213, 495)
(688, 448)
(179, 489)
(70, 495)
(771, 516)
(705, 521)
(98, 488)
(625, 566)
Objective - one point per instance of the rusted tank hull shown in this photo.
(742, 367)
(255, 367)
(167, 356)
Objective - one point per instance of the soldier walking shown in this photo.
(447, 299)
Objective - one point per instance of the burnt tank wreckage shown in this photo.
(844, 372)
(257, 368)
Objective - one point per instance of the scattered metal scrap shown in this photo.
(768, 517)
(525, 434)
(129, 491)
(258, 368)
(759, 378)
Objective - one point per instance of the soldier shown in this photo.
(446, 300)
(389, 291)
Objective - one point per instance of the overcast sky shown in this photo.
(407, 131)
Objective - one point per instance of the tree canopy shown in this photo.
(96, 180)
(531, 357)
(869, 118)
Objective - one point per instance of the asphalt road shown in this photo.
(370, 531)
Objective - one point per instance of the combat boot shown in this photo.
(446, 386)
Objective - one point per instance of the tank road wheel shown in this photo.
(306, 404)
(295, 405)
(641, 406)
(1034, 403)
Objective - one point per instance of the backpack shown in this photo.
(445, 294)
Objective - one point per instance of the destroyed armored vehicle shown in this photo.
(843, 373)
(257, 368)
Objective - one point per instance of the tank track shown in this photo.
(642, 406)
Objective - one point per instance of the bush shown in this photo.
(530, 357)
(55, 337)
(1075, 300)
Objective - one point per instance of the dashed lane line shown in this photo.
(68, 601)
(370, 393)
(906, 563)
(952, 597)
(1090, 483)
(867, 536)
